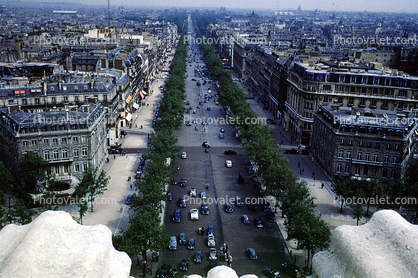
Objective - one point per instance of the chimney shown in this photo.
(86, 108)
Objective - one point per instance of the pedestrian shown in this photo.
(298, 164)
(141, 126)
(303, 171)
(300, 171)
(130, 186)
(114, 156)
(322, 185)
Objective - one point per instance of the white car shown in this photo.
(194, 214)
(228, 163)
(211, 241)
(192, 192)
(183, 155)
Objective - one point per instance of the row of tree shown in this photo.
(292, 193)
(145, 231)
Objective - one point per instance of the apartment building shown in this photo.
(69, 139)
(350, 141)
(348, 83)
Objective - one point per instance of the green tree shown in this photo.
(92, 184)
(358, 211)
(145, 232)
(36, 170)
(343, 189)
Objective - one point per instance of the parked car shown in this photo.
(258, 222)
(270, 217)
(266, 207)
(203, 194)
(271, 122)
(174, 182)
(251, 253)
(205, 144)
(238, 202)
(212, 255)
(292, 151)
(183, 182)
(291, 270)
(194, 214)
(184, 265)
(204, 209)
(228, 163)
(182, 238)
(177, 216)
(198, 257)
(172, 245)
(245, 219)
(221, 135)
(183, 155)
(128, 200)
(169, 196)
(230, 152)
(211, 241)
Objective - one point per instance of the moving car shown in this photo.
(203, 194)
(212, 255)
(258, 222)
(192, 192)
(166, 271)
(228, 163)
(238, 202)
(182, 238)
(183, 155)
(270, 217)
(198, 257)
(245, 219)
(182, 202)
(211, 241)
(211, 230)
(228, 207)
(190, 244)
(204, 209)
(230, 152)
(169, 196)
(194, 214)
(183, 182)
(174, 182)
(177, 216)
(251, 253)
(205, 144)
(291, 269)
(184, 265)
(271, 273)
(172, 245)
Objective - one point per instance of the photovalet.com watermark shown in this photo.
(373, 40)
(375, 201)
(63, 201)
(225, 200)
(223, 121)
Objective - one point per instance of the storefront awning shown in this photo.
(141, 95)
(128, 116)
(128, 99)
(136, 105)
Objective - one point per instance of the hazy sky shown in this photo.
(410, 6)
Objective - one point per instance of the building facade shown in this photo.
(69, 140)
(348, 141)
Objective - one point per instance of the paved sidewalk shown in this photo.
(305, 168)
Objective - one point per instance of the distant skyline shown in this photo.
(405, 6)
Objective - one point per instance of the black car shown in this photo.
(183, 182)
(230, 152)
(271, 273)
(198, 257)
(205, 144)
(169, 196)
(177, 216)
(182, 203)
(270, 121)
(166, 271)
(258, 222)
(115, 150)
(184, 265)
(292, 151)
(174, 182)
(190, 244)
(251, 206)
(266, 207)
(228, 207)
(270, 217)
(291, 269)
(142, 162)
(204, 209)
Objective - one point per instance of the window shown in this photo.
(326, 87)
(402, 93)
(375, 157)
(339, 167)
(83, 139)
(347, 169)
(76, 167)
(369, 144)
(385, 172)
(64, 153)
(392, 174)
(367, 157)
(341, 89)
(348, 154)
(25, 144)
(57, 170)
(394, 160)
(342, 142)
(360, 143)
(37, 101)
(54, 100)
(105, 98)
(362, 102)
(24, 101)
(75, 140)
(357, 170)
(84, 151)
(75, 152)
(46, 141)
(377, 145)
(54, 141)
(325, 98)
(64, 88)
(385, 104)
(64, 141)
(34, 142)
(76, 89)
(396, 147)
(340, 154)
(359, 155)
(351, 101)
(47, 155)
(388, 146)
(387, 158)
(84, 166)
(55, 153)
(350, 142)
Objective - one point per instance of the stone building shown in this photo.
(348, 141)
(69, 139)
